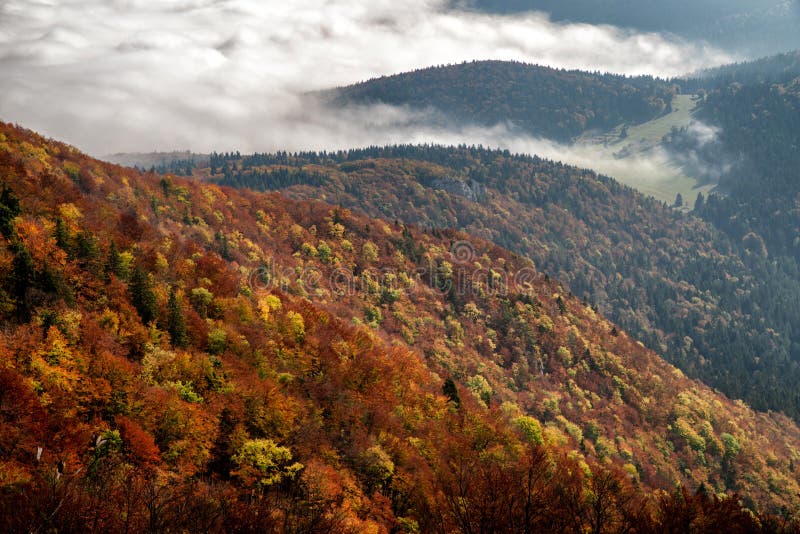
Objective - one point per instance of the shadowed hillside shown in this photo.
(538, 101)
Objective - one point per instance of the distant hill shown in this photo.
(176, 161)
(776, 68)
(734, 127)
(531, 99)
(179, 356)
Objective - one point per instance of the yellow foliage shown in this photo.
(72, 170)
(631, 470)
(369, 251)
(530, 428)
(572, 429)
(69, 323)
(553, 436)
(162, 264)
(109, 320)
(55, 365)
(38, 153)
(564, 355)
(157, 364)
(208, 194)
(685, 430)
(604, 447)
(12, 473)
(296, 324)
(265, 461)
(71, 216)
(268, 304)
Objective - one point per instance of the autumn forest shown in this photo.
(455, 296)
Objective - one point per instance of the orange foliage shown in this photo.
(560, 425)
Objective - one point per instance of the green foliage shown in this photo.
(110, 440)
(86, 246)
(185, 391)
(546, 324)
(176, 323)
(265, 461)
(378, 468)
(107, 444)
(382, 449)
(23, 277)
(62, 235)
(201, 299)
(571, 428)
(73, 171)
(731, 445)
(684, 429)
(591, 430)
(217, 340)
(296, 324)
(324, 252)
(9, 209)
(118, 263)
(481, 388)
(142, 295)
(540, 101)
(408, 525)
(530, 428)
(564, 355)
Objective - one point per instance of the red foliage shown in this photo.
(374, 443)
(22, 418)
(137, 443)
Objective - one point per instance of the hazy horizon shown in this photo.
(206, 75)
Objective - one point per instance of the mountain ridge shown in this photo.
(534, 99)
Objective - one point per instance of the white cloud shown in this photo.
(221, 74)
(703, 133)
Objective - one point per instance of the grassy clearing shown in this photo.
(639, 161)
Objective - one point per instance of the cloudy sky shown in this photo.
(142, 75)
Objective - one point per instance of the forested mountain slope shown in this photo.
(722, 311)
(770, 69)
(757, 117)
(539, 101)
(177, 355)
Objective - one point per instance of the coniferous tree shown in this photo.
(62, 235)
(224, 250)
(698, 204)
(142, 295)
(86, 247)
(114, 262)
(23, 277)
(176, 323)
(9, 209)
(451, 392)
